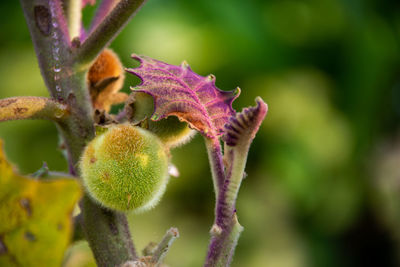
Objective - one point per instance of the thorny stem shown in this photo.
(106, 231)
(107, 30)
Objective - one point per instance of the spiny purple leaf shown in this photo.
(243, 127)
(180, 92)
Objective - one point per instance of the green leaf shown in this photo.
(35, 217)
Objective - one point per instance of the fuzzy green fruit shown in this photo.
(171, 130)
(125, 168)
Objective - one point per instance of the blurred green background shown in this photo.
(323, 185)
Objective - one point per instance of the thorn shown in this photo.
(215, 230)
(211, 77)
(136, 56)
(184, 64)
(237, 91)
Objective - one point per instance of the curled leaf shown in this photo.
(178, 91)
(105, 79)
(35, 217)
(243, 127)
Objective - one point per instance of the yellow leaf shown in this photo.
(35, 217)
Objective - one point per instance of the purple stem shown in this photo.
(102, 11)
(216, 163)
(239, 134)
(58, 14)
(83, 33)
(223, 218)
(120, 116)
(109, 27)
(224, 212)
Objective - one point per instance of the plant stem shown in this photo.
(74, 18)
(223, 232)
(217, 167)
(102, 11)
(106, 231)
(49, 33)
(236, 158)
(226, 229)
(229, 244)
(223, 243)
(239, 134)
(108, 234)
(107, 30)
(50, 38)
(31, 107)
(162, 248)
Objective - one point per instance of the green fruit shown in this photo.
(171, 130)
(125, 168)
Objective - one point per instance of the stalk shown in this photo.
(60, 63)
(32, 107)
(240, 133)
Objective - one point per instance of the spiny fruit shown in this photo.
(171, 130)
(126, 168)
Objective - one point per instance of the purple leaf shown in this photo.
(180, 92)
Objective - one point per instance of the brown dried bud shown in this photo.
(105, 79)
